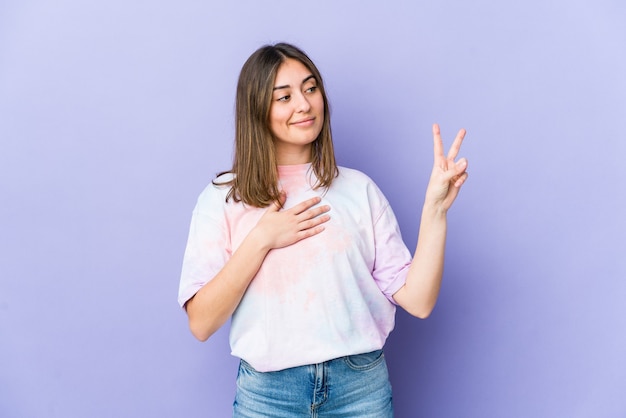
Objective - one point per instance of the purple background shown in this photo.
(114, 115)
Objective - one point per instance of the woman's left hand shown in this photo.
(419, 294)
(448, 175)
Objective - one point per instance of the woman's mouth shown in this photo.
(303, 123)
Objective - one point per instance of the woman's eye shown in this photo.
(283, 99)
(311, 89)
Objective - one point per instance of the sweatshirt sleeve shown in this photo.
(392, 257)
(208, 244)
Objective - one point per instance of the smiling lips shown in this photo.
(304, 122)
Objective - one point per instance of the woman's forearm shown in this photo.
(216, 301)
(421, 289)
(419, 294)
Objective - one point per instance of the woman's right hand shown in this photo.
(216, 301)
(280, 228)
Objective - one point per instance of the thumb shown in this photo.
(461, 173)
(460, 166)
(278, 204)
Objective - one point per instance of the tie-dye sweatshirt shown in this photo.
(324, 297)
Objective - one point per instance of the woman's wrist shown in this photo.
(258, 239)
(432, 211)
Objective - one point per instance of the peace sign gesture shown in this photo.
(447, 176)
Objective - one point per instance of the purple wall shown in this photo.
(114, 115)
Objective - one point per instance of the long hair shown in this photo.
(255, 173)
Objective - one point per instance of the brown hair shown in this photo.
(255, 175)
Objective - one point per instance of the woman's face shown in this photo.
(296, 113)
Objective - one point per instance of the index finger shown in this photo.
(306, 204)
(438, 142)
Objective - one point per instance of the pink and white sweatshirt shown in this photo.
(324, 297)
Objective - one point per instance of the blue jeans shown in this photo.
(348, 387)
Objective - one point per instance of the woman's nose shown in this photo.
(302, 103)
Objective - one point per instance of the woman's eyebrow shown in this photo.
(286, 86)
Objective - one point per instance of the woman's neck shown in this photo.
(293, 155)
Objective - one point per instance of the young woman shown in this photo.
(307, 257)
